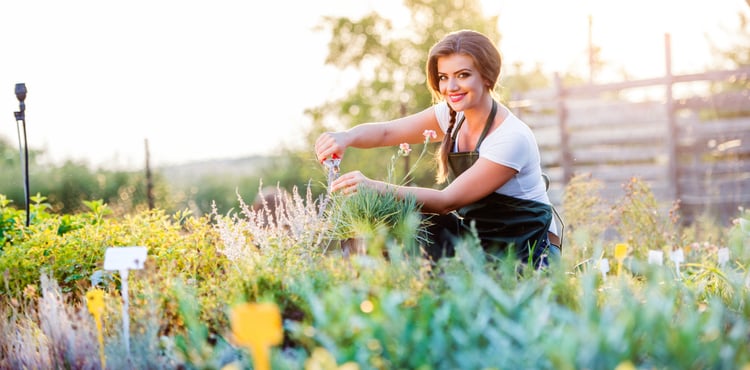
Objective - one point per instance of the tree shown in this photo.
(737, 53)
(391, 66)
(734, 55)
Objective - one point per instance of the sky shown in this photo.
(204, 80)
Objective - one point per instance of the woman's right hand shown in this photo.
(350, 181)
(330, 144)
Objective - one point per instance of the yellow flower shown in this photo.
(625, 365)
(257, 326)
(324, 360)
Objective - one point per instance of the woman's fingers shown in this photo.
(326, 147)
(348, 182)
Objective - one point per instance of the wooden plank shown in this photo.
(728, 146)
(692, 128)
(633, 133)
(535, 95)
(551, 158)
(555, 175)
(548, 138)
(722, 75)
(621, 173)
(729, 191)
(615, 191)
(734, 101)
(714, 168)
(726, 183)
(537, 121)
(591, 90)
(709, 199)
(618, 155)
(616, 113)
(725, 75)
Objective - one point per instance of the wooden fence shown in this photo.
(684, 141)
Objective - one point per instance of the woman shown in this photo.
(490, 157)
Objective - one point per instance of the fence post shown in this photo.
(566, 157)
(674, 185)
(149, 180)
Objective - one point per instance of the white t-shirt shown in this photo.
(513, 145)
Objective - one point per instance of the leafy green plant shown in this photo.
(638, 219)
(10, 221)
(739, 237)
(585, 216)
(382, 219)
(470, 311)
(369, 214)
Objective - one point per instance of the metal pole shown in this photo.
(671, 121)
(591, 50)
(149, 180)
(21, 117)
(566, 157)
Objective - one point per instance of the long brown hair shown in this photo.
(486, 59)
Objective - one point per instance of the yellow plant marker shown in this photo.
(621, 251)
(95, 304)
(257, 326)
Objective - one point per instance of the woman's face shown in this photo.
(460, 82)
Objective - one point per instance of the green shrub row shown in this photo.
(374, 310)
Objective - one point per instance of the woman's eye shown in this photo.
(463, 75)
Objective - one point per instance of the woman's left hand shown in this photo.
(348, 182)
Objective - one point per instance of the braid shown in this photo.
(445, 148)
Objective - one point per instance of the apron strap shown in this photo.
(487, 126)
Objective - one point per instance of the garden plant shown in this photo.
(270, 287)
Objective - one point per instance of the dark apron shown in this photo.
(501, 221)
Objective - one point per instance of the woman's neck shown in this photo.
(476, 118)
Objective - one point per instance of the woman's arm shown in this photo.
(407, 129)
(480, 180)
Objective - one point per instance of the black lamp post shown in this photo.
(21, 117)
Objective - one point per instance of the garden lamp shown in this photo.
(23, 149)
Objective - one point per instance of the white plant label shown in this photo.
(655, 257)
(125, 258)
(723, 256)
(677, 256)
(604, 265)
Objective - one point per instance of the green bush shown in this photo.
(377, 312)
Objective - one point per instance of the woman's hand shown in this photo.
(330, 144)
(348, 182)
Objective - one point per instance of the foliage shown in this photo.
(735, 55)
(374, 216)
(637, 218)
(70, 249)
(585, 213)
(397, 312)
(69, 185)
(732, 53)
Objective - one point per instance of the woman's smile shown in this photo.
(454, 98)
